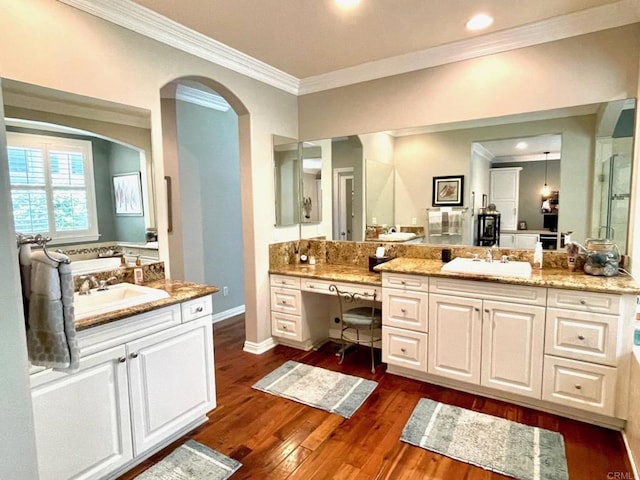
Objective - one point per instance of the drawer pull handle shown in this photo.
(477, 309)
(122, 359)
(199, 309)
(284, 302)
(403, 282)
(486, 310)
(580, 337)
(284, 327)
(311, 286)
(578, 387)
(134, 355)
(403, 310)
(403, 350)
(583, 302)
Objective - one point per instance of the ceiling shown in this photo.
(312, 37)
(303, 46)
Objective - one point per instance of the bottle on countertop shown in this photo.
(138, 273)
(537, 255)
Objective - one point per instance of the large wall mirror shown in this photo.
(119, 139)
(297, 182)
(582, 155)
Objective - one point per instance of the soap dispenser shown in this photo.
(537, 255)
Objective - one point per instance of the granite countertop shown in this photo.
(178, 292)
(547, 277)
(324, 271)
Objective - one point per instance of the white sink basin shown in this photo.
(121, 295)
(496, 268)
(396, 236)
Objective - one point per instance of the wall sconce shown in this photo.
(546, 191)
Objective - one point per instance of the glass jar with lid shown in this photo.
(603, 258)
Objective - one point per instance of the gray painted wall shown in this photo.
(124, 160)
(209, 163)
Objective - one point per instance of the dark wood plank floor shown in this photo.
(276, 438)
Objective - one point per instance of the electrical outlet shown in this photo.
(374, 220)
(414, 221)
(225, 291)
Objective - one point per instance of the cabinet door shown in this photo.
(82, 421)
(504, 193)
(507, 240)
(455, 327)
(171, 381)
(512, 348)
(526, 241)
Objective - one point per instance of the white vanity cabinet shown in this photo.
(583, 348)
(126, 400)
(487, 334)
(405, 302)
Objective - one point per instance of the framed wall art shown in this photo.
(127, 194)
(448, 191)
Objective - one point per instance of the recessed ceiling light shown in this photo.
(347, 4)
(480, 21)
(521, 145)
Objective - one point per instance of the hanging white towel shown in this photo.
(435, 223)
(24, 256)
(455, 223)
(51, 331)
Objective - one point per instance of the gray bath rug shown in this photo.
(496, 444)
(331, 391)
(192, 461)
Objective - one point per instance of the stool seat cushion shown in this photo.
(361, 316)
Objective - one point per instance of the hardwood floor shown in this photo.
(276, 438)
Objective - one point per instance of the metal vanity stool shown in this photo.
(367, 319)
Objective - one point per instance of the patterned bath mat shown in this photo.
(493, 443)
(192, 461)
(331, 391)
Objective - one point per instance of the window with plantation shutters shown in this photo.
(52, 186)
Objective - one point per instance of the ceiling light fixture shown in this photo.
(347, 4)
(546, 191)
(521, 145)
(480, 21)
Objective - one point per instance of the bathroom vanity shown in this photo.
(146, 377)
(554, 341)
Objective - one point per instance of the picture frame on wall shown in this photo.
(448, 191)
(127, 194)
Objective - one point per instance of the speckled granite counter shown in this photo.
(178, 292)
(324, 271)
(547, 277)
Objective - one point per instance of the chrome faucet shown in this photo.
(85, 286)
(488, 256)
(103, 284)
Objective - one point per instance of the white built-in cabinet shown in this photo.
(142, 382)
(493, 343)
(504, 193)
(562, 350)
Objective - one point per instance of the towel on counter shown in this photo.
(51, 332)
(435, 223)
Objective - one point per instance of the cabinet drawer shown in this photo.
(196, 308)
(285, 300)
(405, 282)
(489, 291)
(582, 336)
(405, 309)
(317, 286)
(584, 301)
(580, 385)
(404, 348)
(284, 281)
(286, 326)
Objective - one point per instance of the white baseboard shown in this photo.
(634, 467)
(259, 348)
(232, 312)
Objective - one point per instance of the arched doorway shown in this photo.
(205, 139)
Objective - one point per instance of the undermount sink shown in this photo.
(396, 236)
(121, 295)
(495, 268)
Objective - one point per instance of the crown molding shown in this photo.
(141, 20)
(202, 98)
(557, 28)
(132, 16)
